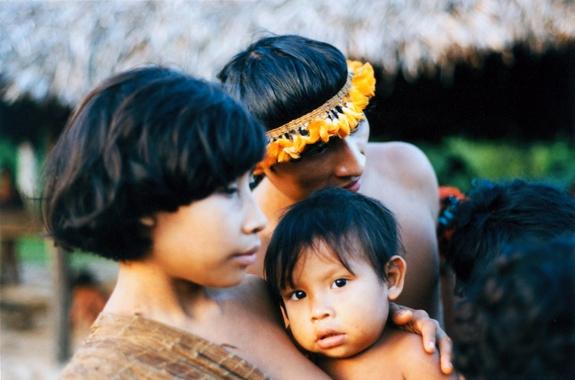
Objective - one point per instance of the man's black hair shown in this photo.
(281, 78)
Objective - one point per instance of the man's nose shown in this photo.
(351, 159)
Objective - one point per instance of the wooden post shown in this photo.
(62, 295)
(9, 266)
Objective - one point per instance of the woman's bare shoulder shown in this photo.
(270, 347)
(252, 297)
(253, 289)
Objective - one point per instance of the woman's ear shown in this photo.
(148, 221)
(285, 317)
(395, 272)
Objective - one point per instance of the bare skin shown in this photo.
(400, 176)
(183, 289)
(240, 318)
(396, 354)
(194, 279)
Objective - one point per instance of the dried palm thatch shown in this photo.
(63, 48)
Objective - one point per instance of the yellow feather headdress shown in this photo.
(337, 117)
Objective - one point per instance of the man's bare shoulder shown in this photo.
(407, 166)
(400, 155)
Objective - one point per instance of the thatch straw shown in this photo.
(64, 48)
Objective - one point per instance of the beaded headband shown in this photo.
(338, 116)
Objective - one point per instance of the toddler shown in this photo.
(333, 265)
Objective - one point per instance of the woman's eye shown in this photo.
(297, 295)
(339, 283)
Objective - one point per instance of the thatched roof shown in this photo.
(62, 49)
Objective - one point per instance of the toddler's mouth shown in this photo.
(330, 339)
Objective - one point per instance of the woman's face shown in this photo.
(210, 242)
(339, 163)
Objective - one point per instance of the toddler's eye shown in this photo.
(339, 283)
(297, 295)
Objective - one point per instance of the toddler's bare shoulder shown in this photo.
(418, 364)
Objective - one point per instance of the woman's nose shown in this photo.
(255, 219)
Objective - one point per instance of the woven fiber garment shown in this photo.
(132, 347)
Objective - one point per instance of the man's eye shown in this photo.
(314, 149)
(358, 126)
(339, 283)
(297, 295)
(318, 148)
(229, 190)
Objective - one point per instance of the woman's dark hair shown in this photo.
(281, 78)
(146, 140)
(495, 215)
(350, 224)
(518, 320)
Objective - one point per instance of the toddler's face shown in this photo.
(331, 311)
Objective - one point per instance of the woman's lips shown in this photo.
(246, 258)
(330, 340)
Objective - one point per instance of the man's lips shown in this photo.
(330, 339)
(353, 186)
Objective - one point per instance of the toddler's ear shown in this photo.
(395, 272)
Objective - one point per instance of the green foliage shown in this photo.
(32, 249)
(7, 154)
(457, 161)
